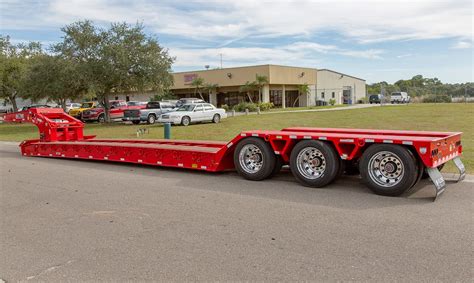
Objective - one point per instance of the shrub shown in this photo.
(363, 100)
(252, 107)
(437, 99)
(332, 101)
(225, 107)
(264, 106)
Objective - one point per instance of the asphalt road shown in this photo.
(84, 220)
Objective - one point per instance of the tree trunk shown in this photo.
(250, 98)
(107, 108)
(298, 98)
(12, 99)
(62, 102)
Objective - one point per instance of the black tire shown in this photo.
(151, 119)
(278, 165)
(265, 157)
(101, 118)
(425, 174)
(403, 165)
(216, 119)
(327, 163)
(136, 122)
(185, 121)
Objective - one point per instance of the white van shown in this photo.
(399, 97)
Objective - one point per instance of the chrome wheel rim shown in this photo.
(386, 169)
(151, 119)
(251, 158)
(311, 163)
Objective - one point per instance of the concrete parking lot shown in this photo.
(81, 220)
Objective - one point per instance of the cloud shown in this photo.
(404, 55)
(462, 45)
(363, 21)
(298, 53)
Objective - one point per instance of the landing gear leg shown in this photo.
(438, 181)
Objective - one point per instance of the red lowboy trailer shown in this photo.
(390, 162)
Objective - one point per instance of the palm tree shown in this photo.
(198, 83)
(248, 87)
(302, 90)
(209, 87)
(260, 82)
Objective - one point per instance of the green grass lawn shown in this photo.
(306, 108)
(429, 117)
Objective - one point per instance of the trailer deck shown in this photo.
(62, 136)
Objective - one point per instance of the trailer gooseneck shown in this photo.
(390, 162)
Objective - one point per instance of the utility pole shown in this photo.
(221, 59)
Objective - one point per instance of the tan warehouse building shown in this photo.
(281, 90)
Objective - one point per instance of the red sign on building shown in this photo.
(188, 78)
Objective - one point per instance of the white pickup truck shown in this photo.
(399, 97)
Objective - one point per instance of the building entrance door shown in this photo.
(347, 95)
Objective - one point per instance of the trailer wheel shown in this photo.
(254, 159)
(278, 165)
(388, 170)
(314, 163)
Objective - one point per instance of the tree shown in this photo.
(162, 95)
(248, 88)
(209, 87)
(302, 90)
(54, 78)
(120, 58)
(260, 82)
(198, 84)
(14, 63)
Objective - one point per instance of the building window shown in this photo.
(322, 95)
(333, 94)
(276, 97)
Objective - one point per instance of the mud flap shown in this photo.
(461, 168)
(438, 180)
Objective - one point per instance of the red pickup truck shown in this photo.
(117, 107)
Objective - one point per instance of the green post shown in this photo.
(167, 129)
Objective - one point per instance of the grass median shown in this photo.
(427, 117)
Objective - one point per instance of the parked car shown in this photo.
(136, 104)
(77, 112)
(194, 112)
(117, 107)
(189, 100)
(375, 98)
(150, 113)
(399, 97)
(70, 106)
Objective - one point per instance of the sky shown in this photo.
(384, 40)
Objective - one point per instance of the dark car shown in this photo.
(375, 98)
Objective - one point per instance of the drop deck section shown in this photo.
(62, 136)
